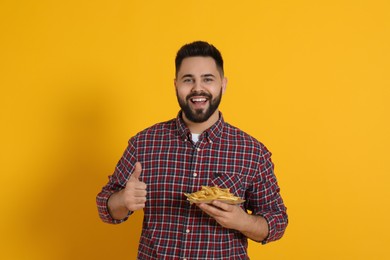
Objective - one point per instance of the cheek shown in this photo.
(182, 92)
(217, 91)
(181, 95)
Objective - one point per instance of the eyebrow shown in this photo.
(208, 75)
(187, 75)
(202, 76)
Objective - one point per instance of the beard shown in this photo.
(199, 115)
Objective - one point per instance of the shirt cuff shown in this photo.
(102, 203)
(275, 229)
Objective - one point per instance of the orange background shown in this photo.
(310, 79)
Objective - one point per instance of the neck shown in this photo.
(198, 128)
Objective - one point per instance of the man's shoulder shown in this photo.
(161, 128)
(237, 135)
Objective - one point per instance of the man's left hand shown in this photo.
(228, 216)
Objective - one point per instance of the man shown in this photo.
(197, 148)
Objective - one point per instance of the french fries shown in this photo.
(208, 194)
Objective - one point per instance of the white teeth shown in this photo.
(198, 100)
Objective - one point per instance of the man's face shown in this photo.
(199, 88)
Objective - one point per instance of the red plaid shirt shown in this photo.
(172, 165)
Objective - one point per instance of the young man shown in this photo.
(197, 148)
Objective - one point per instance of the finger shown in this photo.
(221, 205)
(137, 171)
(203, 207)
(138, 206)
(140, 193)
(140, 200)
(210, 210)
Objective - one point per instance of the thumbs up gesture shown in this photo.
(134, 194)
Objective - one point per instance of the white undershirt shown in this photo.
(195, 137)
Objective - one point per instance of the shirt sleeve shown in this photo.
(266, 201)
(117, 181)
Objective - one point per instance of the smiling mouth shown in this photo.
(198, 100)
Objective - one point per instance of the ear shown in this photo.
(175, 82)
(224, 84)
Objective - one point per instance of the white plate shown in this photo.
(232, 202)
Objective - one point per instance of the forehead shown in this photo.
(198, 66)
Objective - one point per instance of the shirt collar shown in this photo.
(212, 133)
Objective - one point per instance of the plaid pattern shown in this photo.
(172, 165)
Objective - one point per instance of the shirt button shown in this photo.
(198, 149)
(210, 142)
(187, 231)
(195, 174)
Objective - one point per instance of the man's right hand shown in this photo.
(134, 194)
(131, 198)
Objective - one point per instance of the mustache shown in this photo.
(199, 94)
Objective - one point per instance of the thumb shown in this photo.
(137, 171)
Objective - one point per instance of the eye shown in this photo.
(188, 80)
(208, 79)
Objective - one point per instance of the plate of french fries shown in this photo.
(209, 194)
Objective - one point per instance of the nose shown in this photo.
(197, 86)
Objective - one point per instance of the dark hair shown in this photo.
(199, 48)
